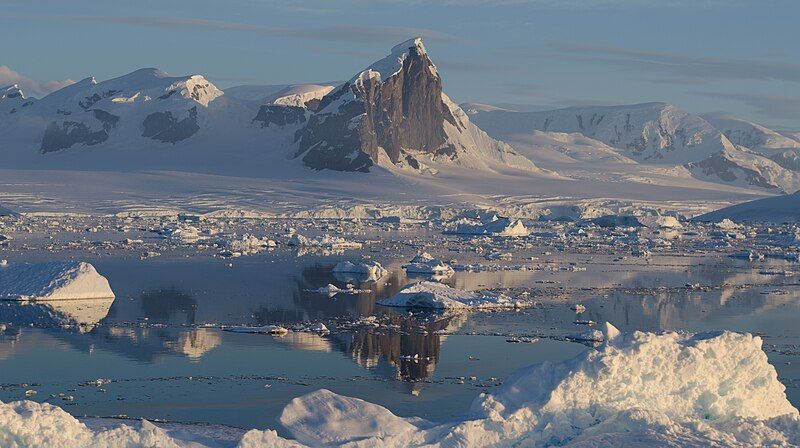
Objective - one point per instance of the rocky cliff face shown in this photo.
(392, 113)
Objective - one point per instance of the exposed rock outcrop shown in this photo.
(273, 114)
(394, 113)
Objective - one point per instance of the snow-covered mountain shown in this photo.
(660, 134)
(301, 95)
(650, 132)
(143, 104)
(750, 135)
(12, 99)
(394, 114)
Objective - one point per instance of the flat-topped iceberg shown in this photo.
(440, 296)
(61, 280)
(638, 389)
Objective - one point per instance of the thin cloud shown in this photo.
(30, 86)
(771, 106)
(341, 33)
(469, 66)
(679, 65)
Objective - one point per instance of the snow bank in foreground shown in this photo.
(63, 280)
(439, 296)
(638, 389)
(345, 419)
(642, 389)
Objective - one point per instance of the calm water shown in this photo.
(160, 345)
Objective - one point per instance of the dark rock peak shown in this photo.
(400, 114)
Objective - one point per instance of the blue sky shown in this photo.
(739, 56)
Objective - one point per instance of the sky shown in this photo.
(735, 56)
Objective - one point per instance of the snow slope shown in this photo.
(12, 100)
(637, 389)
(777, 209)
(649, 132)
(750, 135)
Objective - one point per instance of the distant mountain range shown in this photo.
(718, 148)
(392, 115)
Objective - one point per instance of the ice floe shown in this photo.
(436, 295)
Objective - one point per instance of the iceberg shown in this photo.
(492, 225)
(436, 295)
(371, 270)
(62, 280)
(424, 263)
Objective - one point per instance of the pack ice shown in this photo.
(61, 280)
(638, 389)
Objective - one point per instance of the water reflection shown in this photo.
(162, 308)
(163, 305)
(411, 348)
(80, 314)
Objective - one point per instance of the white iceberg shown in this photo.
(424, 263)
(62, 280)
(247, 244)
(436, 295)
(491, 225)
(324, 241)
(372, 270)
